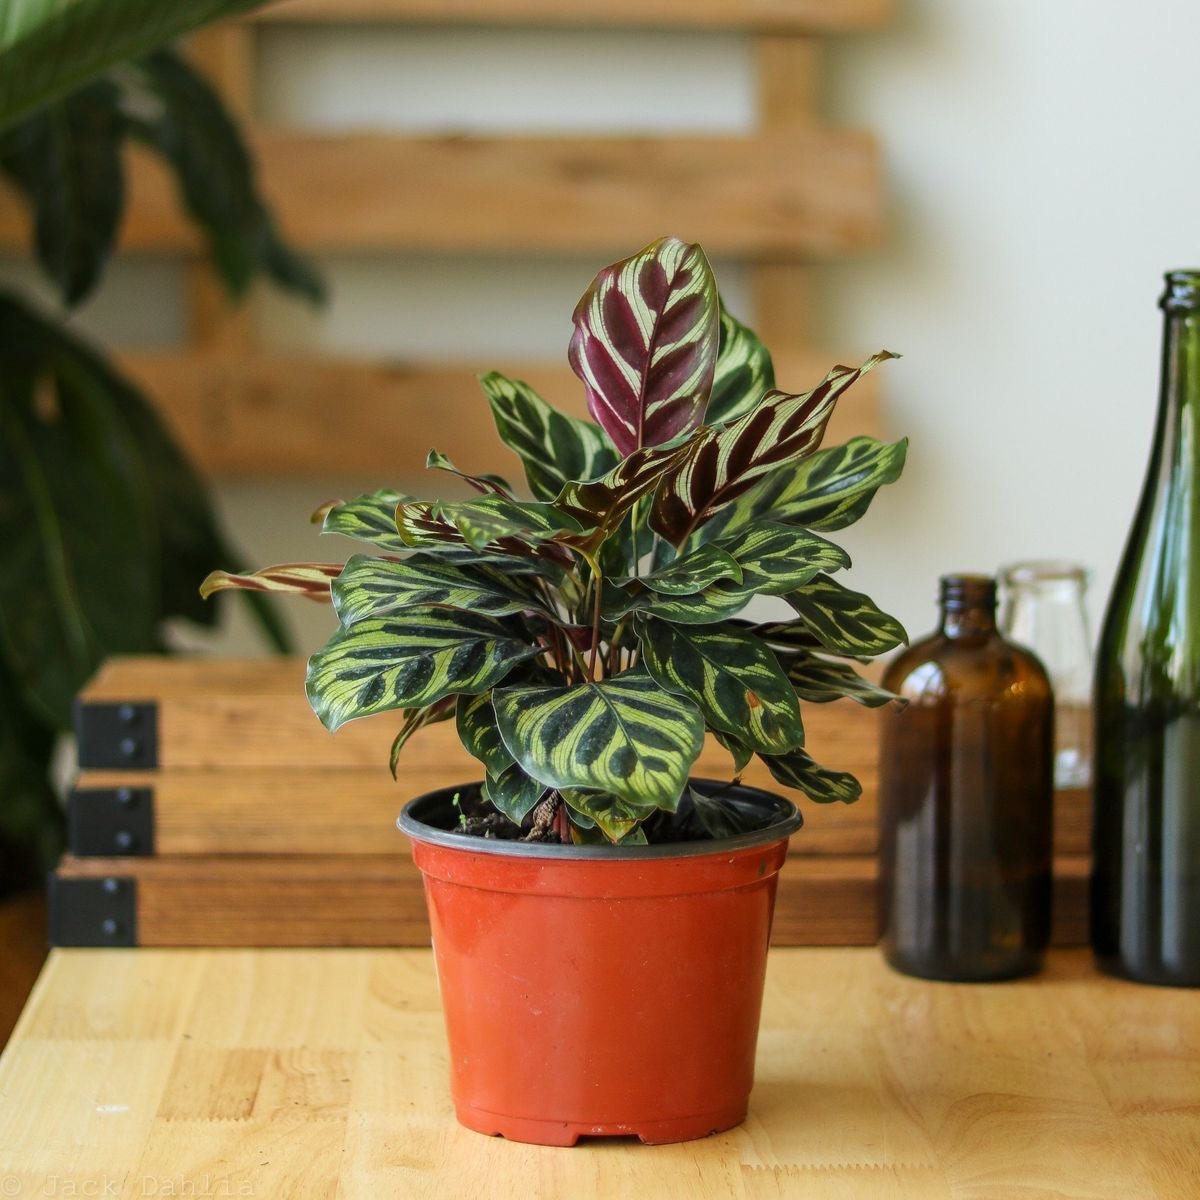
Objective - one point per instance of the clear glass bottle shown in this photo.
(1145, 911)
(965, 797)
(1044, 609)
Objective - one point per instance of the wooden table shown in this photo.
(297, 1073)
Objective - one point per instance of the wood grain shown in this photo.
(280, 1073)
(275, 414)
(812, 192)
(377, 900)
(788, 16)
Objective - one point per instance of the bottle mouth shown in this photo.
(1182, 293)
(1044, 572)
(962, 591)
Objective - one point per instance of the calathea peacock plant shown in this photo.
(585, 640)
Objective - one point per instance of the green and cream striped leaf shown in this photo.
(489, 485)
(723, 463)
(302, 579)
(827, 491)
(480, 734)
(820, 784)
(625, 736)
(693, 572)
(369, 518)
(513, 793)
(373, 587)
(416, 719)
(645, 344)
(616, 818)
(555, 449)
(774, 560)
(821, 680)
(409, 660)
(844, 621)
(733, 678)
(744, 373)
(740, 754)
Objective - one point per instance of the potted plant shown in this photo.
(600, 921)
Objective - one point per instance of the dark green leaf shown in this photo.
(480, 734)
(409, 660)
(722, 463)
(556, 449)
(645, 344)
(616, 818)
(416, 719)
(184, 120)
(740, 754)
(369, 518)
(692, 573)
(796, 769)
(732, 677)
(845, 622)
(744, 373)
(828, 490)
(821, 680)
(374, 587)
(50, 47)
(66, 160)
(513, 793)
(625, 736)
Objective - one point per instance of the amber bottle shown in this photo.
(966, 790)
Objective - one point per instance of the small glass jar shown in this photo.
(1044, 610)
(965, 798)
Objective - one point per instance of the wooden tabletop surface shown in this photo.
(322, 1073)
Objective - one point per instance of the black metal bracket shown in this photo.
(110, 821)
(93, 912)
(122, 736)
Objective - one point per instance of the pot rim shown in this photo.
(786, 820)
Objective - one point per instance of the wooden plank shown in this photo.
(255, 810)
(814, 193)
(276, 414)
(783, 16)
(362, 900)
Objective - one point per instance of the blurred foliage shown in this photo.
(106, 527)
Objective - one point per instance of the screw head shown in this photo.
(126, 798)
(123, 839)
(127, 714)
(110, 927)
(112, 887)
(130, 747)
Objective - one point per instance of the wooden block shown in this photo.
(260, 414)
(363, 900)
(810, 192)
(785, 16)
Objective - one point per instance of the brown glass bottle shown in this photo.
(965, 803)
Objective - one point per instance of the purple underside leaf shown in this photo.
(645, 344)
(303, 579)
(723, 462)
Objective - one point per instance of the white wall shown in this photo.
(1044, 170)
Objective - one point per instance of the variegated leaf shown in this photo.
(774, 560)
(513, 793)
(418, 718)
(480, 734)
(625, 736)
(372, 587)
(603, 503)
(828, 490)
(740, 754)
(645, 344)
(303, 579)
(556, 449)
(821, 680)
(489, 485)
(411, 659)
(618, 819)
(369, 518)
(723, 463)
(694, 572)
(744, 373)
(820, 784)
(844, 621)
(732, 677)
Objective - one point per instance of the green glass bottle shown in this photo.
(1145, 913)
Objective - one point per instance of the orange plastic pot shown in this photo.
(601, 990)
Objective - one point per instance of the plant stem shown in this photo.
(597, 581)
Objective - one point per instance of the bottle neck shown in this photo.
(968, 604)
(1177, 436)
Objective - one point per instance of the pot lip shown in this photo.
(788, 820)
